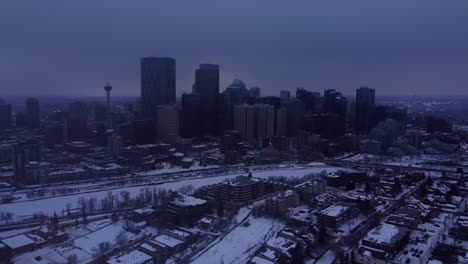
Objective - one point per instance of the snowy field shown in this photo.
(83, 240)
(240, 243)
(57, 204)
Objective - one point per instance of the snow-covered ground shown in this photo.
(241, 242)
(57, 204)
(83, 241)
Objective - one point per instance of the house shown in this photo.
(366, 255)
(133, 257)
(18, 244)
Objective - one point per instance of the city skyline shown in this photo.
(401, 48)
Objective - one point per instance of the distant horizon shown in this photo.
(397, 47)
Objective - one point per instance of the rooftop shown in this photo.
(167, 241)
(336, 209)
(17, 241)
(185, 200)
(134, 257)
(386, 234)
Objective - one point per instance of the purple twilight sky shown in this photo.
(75, 47)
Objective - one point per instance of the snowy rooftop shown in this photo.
(259, 260)
(134, 257)
(17, 241)
(336, 209)
(185, 200)
(386, 234)
(281, 243)
(148, 247)
(167, 241)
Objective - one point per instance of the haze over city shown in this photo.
(401, 47)
(233, 132)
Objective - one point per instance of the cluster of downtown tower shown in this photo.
(207, 112)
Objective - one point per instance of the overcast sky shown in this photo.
(75, 47)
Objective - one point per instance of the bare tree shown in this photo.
(125, 198)
(92, 204)
(68, 208)
(101, 250)
(82, 205)
(122, 238)
(187, 189)
(72, 259)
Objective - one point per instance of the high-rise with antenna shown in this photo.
(108, 89)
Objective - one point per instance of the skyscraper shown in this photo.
(254, 92)
(5, 115)
(235, 94)
(265, 121)
(365, 104)
(207, 88)
(168, 123)
(335, 103)
(32, 111)
(158, 84)
(254, 122)
(281, 121)
(285, 96)
(108, 89)
(244, 122)
(190, 116)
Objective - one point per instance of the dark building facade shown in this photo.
(235, 94)
(158, 84)
(190, 116)
(295, 112)
(5, 116)
(365, 105)
(335, 103)
(207, 88)
(24, 152)
(33, 112)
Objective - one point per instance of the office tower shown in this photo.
(285, 96)
(311, 100)
(265, 121)
(295, 113)
(334, 102)
(24, 152)
(327, 125)
(365, 105)
(168, 124)
(244, 122)
(101, 135)
(21, 119)
(158, 84)
(5, 115)
(254, 122)
(77, 122)
(190, 116)
(281, 121)
(270, 100)
(235, 94)
(254, 92)
(143, 131)
(33, 114)
(108, 89)
(206, 86)
(54, 134)
(100, 113)
(115, 145)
